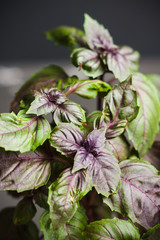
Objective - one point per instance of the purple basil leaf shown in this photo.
(95, 141)
(104, 172)
(49, 77)
(101, 166)
(71, 230)
(144, 128)
(91, 147)
(24, 211)
(9, 231)
(88, 61)
(98, 120)
(121, 102)
(111, 229)
(67, 138)
(69, 112)
(116, 129)
(97, 36)
(65, 194)
(119, 148)
(82, 159)
(139, 194)
(46, 101)
(153, 155)
(122, 61)
(25, 171)
(67, 36)
(23, 132)
(55, 101)
(121, 106)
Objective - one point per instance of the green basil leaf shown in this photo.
(152, 234)
(22, 132)
(24, 211)
(49, 77)
(41, 197)
(67, 36)
(155, 79)
(113, 229)
(65, 194)
(46, 226)
(89, 88)
(144, 128)
(9, 231)
(73, 229)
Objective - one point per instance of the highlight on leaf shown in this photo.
(23, 132)
(144, 128)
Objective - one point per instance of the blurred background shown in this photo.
(22, 23)
(24, 49)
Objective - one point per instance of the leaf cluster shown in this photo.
(93, 174)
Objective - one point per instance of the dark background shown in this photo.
(135, 23)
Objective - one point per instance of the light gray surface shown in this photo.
(12, 75)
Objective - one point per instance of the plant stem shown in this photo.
(99, 99)
(99, 103)
(62, 161)
(89, 209)
(41, 237)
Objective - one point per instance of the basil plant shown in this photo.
(96, 176)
